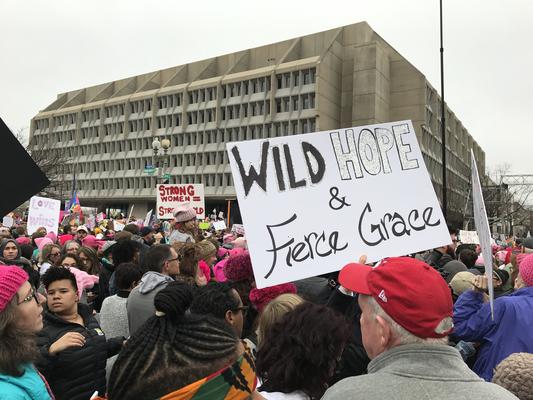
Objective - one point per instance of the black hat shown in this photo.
(528, 242)
(145, 231)
(502, 274)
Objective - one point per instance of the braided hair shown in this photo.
(172, 349)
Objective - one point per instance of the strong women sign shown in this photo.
(171, 196)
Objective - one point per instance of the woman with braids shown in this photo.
(180, 355)
(74, 349)
(299, 353)
(20, 320)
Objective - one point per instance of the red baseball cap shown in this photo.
(411, 292)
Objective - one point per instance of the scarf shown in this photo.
(234, 382)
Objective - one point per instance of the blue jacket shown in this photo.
(510, 332)
(29, 386)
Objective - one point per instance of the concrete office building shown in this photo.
(343, 77)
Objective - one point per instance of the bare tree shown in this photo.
(506, 202)
(52, 161)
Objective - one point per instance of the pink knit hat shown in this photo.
(261, 297)
(221, 252)
(520, 257)
(218, 270)
(184, 213)
(11, 279)
(91, 241)
(202, 265)
(43, 241)
(239, 267)
(526, 270)
(236, 251)
(240, 243)
(52, 236)
(23, 240)
(228, 238)
(83, 279)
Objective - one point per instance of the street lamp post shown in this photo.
(158, 158)
(443, 122)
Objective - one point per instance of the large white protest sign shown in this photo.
(43, 212)
(482, 228)
(315, 202)
(170, 196)
(468, 237)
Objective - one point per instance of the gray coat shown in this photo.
(418, 372)
(140, 305)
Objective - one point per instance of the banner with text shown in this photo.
(43, 212)
(315, 202)
(169, 196)
(482, 227)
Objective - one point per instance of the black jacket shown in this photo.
(438, 260)
(354, 360)
(75, 373)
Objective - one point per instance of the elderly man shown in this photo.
(406, 318)
(511, 330)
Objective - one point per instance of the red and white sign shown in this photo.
(170, 196)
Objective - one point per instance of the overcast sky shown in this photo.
(49, 47)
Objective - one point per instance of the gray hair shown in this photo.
(402, 335)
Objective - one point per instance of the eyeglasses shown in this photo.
(244, 309)
(55, 254)
(31, 295)
(174, 259)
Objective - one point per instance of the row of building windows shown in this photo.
(178, 160)
(116, 110)
(244, 88)
(90, 115)
(295, 103)
(296, 78)
(209, 180)
(192, 138)
(141, 106)
(256, 85)
(90, 132)
(139, 125)
(200, 117)
(202, 95)
(62, 120)
(170, 101)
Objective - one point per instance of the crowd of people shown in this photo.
(150, 313)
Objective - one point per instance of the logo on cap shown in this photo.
(382, 296)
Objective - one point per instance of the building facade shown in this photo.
(343, 77)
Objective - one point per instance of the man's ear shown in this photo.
(385, 334)
(229, 317)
